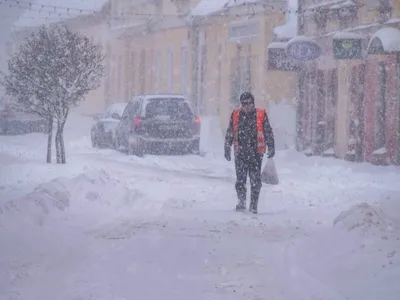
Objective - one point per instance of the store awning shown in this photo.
(385, 41)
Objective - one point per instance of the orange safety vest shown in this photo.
(261, 144)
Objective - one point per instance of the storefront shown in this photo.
(349, 112)
(381, 98)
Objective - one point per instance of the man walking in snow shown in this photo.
(250, 133)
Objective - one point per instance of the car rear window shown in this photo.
(174, 109)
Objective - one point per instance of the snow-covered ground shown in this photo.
(111, 226)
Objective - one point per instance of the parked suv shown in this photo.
(151, 123)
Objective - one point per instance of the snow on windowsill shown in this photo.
(380, 151)
(348, 3)
(277, 45)
(288, 30)
(342, 35)
(331, 3)
(330, 151)
(351, 152)
(393, 21)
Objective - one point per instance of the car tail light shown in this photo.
(197, 124)
(137, 123)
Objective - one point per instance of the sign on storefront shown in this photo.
(303, 49)
(279, 61)
(243, 31)
(347, 49)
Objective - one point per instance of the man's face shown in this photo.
(247, 107)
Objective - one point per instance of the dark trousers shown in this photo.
(248, 165)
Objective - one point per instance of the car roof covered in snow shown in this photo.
(116, 108)
(162, 96)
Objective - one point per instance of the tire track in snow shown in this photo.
(160, 169)
(303, 285)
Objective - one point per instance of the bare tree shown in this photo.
(53, 71)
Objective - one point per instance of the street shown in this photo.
(111, 226)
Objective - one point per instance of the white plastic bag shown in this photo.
(269, 174)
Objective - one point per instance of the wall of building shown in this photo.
(355, 111)
(217, 57)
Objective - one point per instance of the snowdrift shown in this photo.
(96, 192)
(365, 219)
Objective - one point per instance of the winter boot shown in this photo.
(241, 193)
(241, 205)
(254, 201)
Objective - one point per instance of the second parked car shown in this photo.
(153, 123)
(103, 131)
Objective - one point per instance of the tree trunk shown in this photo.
(49, 140)
(62, 146)
(62, 125)
(58, 143)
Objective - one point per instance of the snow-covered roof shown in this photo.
(288, 30)
(117, 108)
(331, 4)
(393, 21)
(389, 37)
(53, 11)
(277, 45)
(342, 35)
(209, 7)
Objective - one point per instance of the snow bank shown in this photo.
(282, 115)
(211, 136)
(95, 191)
(365, 219)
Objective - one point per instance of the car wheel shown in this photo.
(136, 149)
(93, 138)
(116, 143)
(195, 148)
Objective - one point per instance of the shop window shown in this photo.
(142, 70)
(170, 70)
(380, 109)
(321, 20)
(184, 70)
(384, 10)
(332, 93)
(132, 75)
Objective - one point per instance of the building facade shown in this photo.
(348, 97)
(209, 53)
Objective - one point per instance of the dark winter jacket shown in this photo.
(247, 133)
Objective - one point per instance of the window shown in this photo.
(120, 75)
(384, 10)
(380, 112)
(158, 71)
(132, 72)
(142, 70)
(219, 76)
(184, 70)
(174, 109)
(170, 70)
(239, 31)
(321, 20)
